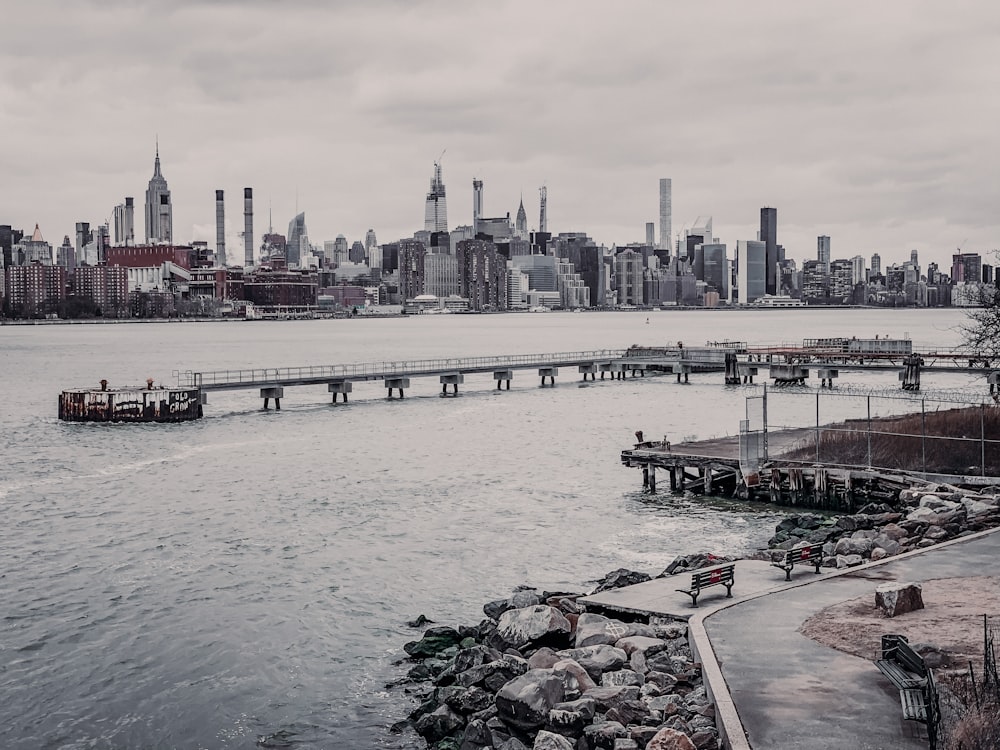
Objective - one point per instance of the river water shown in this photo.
(244, 580)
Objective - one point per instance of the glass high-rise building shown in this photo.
(159, 211)
(436, 205)
(293, 246)
(769, 236)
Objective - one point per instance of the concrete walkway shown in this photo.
(790, 692)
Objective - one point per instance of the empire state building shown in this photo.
(436, 206)
(159, 211)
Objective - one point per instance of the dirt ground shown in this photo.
(951, 621)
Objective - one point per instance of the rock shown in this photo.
(887, 544)
(470, 700)
(878, 554)
(525, 701)
(872, 509)
(851, 546)
(539, 624)
(593, 630)
(585, 706)
(684, 563)
(975, 508)
(622, 677)
(641, 643)
(898, 598)
(849, 561)
(468, 658)
(596, 659)
(894, 531)
(419, 622)
(582, 681)
(618, 578)
(629, 712)
(670, 739)
(664, 680)
(434, 641)
(626, 743)
(567, 723)
(609, 697)
(543, 658)
(549, 741)
(604, 734)
(438, 724)
(491, 676)
(933, 656)
(934, 517)
(477, 735)
(642, 735)
(936, 534)
(705, 739)
(511, 743)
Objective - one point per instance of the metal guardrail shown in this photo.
(221, 379)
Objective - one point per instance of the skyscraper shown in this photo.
(296, 231)
(769, 236)
(159, 211)
(125, 222)
(543, 215)
(823, 249)
(876, 264)
(521, 222)
(477, 205)
(666, 228)
(751, 274)
(650, 233)
(436, 205)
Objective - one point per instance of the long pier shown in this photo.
(784, 365)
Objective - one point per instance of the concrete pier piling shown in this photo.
(275, 392)
(452, 379)
(827, 376)
(503, 376)
(681, 369)
(548, 372)
(910, 376)
(394, 383)
(747, 372)
(783, 374)
(340, 386)
(590, 368)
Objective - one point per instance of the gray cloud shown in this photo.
(872, 122)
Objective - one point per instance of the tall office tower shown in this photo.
(296, 231)
(769, 236)
(83, 238)
(247, 227)
(666, 229)
(823, 249)
(876, 264)
(370, 242)
(543, 215)
(650, 233)
(477, 204)
(436, 205)
(159, 211)
(751, 271)
(125, 222)
(858, 269)
(220, 229)
(913, 258)
(521, 222)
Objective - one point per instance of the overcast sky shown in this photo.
(875, 122)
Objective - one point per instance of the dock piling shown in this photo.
(275, 392)
(548, 372)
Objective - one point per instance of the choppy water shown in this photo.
(244, 580)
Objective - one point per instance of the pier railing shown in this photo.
(232, 379)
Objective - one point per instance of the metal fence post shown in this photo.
(923, 436)
(982, 439)
(817, 426)
(764, 409)
(869, 400)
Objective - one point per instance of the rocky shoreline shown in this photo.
(540, 672)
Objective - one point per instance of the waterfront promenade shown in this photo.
(775, 688)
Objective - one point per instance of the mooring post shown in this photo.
(673, 479)
(708, 479)
(645, 477)
(652, 479)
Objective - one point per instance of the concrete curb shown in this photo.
(732, 734)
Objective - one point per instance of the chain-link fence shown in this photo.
(950, 433)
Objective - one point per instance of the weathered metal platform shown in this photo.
(130, 405)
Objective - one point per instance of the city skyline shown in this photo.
(884, 142)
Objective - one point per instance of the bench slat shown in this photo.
(898, 676)
(914, 704)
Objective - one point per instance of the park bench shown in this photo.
(811, 554)
(908, 673)
(721, 575)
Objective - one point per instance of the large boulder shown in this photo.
(606, 698)
(533, 625)
(583, 681)
(593, 630)
(475, 656)
(435, 641)
(517, 600)
(492, 676)
(525, 701)
(438, 724)
(898, 598)
(616, 579)
(670, 739)
(603, 734)
(641, 643)
(597, 659)
(852, 546)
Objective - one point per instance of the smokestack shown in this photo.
(248, 226)
(220, 229)
(129, 221)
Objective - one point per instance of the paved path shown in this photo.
(792, 693)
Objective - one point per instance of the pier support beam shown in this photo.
(548, 372)
(783, 374)
(747, 372)
(732, 369)
(400, 383)
(681, 368)
(340, 386)
(617, 370)
(641, 369)
(826, 376)
(993, 379)
(503, 376)
(275, 392)
(589, 368)
(452, 379)
(652, 480)
(910, 376)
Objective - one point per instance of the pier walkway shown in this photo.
(776, 689)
